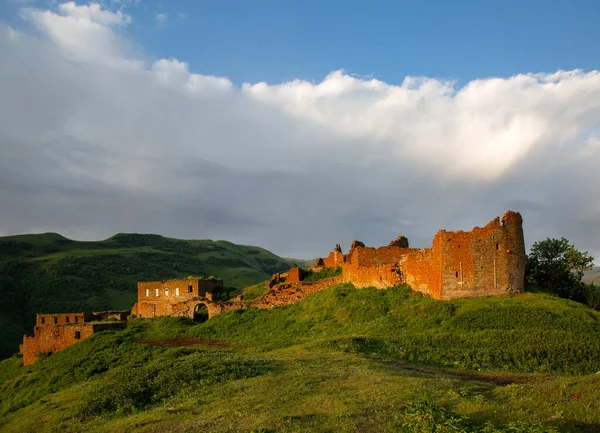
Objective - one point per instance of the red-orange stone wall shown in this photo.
(294, 275)
(55, 332)
(334, 259)
(485, 261)
(167, 298)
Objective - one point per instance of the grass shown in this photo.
(311, 276)
(340, 360)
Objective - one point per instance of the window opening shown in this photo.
(176, 291)
(146, 293)
(67, 319)
(55, 320)
(190, 288)
(155, 292)
(166, 291)
(456, 274)
(77, 335)
(43, 319)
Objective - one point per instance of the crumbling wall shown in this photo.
(61, 318)
(335, 259)
(485, 261)
(421, 270)
(158, 298)
(55, 332)
(294, 275)
(374, 267)
(52, 338)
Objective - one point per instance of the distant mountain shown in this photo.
(50, 273)
(592, 276)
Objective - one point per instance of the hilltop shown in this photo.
(50, 273)
(342, 359)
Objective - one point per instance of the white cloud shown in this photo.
(96, 139)
(93, 13)
(160, 18)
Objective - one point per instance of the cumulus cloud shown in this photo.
(95, 139)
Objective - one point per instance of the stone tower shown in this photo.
(515, 248)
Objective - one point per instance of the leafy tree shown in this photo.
(557, 266)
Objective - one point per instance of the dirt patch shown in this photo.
(205, 343)
(495, 378)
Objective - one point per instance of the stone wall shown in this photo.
(294, 275)
(485, 261)
(55, 332)
(160, 298)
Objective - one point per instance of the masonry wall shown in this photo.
(61, 318)
(52, 338)
(485, 261)
(333, 260)
(294, 275)
(374, 267)
(160, 298)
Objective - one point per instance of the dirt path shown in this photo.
(205, 343)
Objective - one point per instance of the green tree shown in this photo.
(557, 266)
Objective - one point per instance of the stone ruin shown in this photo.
(483, 262)
(55, 332)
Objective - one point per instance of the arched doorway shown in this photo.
(200, 313)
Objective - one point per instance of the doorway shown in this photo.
(200, 313)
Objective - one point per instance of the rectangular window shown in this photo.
(166, 291)
(76, 319)
(497, 246)
(146, 293)
(66, 319)
(176, 291)
(55, 320)
(190, 288)
(77, 335)
(155, 292)
(43, 320)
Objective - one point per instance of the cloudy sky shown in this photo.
(295, 127)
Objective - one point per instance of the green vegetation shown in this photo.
(340, 360)
(251, 293)
(311, 276)
(559, 268)
(49, 273)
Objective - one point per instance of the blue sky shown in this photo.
(115, 118)
(276, 41)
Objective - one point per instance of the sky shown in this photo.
(298, 125)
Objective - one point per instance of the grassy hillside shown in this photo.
(340, 360)
(50, 273)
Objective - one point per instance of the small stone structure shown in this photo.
(55, 332)
(174, 297)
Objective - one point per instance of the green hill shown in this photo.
(340, 360)
(50, 273)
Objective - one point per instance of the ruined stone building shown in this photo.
(174, 297)
(485, 261)
(55, 332)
